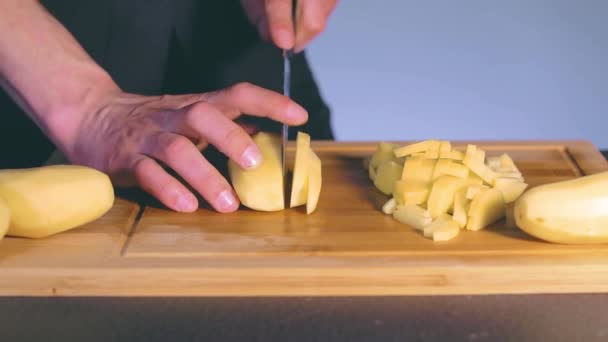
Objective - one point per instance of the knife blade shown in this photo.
(287, 54)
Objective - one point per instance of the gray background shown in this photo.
(472, 69)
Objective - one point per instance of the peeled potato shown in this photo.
(299, 187)
(47, 200)
(573, 211)
(5, 217)
(315, 181)
(261, 188)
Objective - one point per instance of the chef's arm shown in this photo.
(46, 71)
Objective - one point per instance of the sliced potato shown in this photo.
(299, 188)
(511, 188)
(389, 207)
(5, 218)
(442, 193)
(386, 176)
(420, 170)
(461, 206)
(410, 192)
(315, 180)
(447, 231)
(436, 224)
(384, 152)
(422, 146)
(486, 208)
(412, 215)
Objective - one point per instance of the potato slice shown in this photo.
(437, 223)
(418, 169)
(473, 190)
(511, 188)
(47, 200)
(412, 215)
(450, 167)
(387, 174)
(461, 206)
(410, 192)
(422, 146)
(299, 187)
(5, 218)
(261, 188)
(389, 207)
(441, 198)
(507, 162)
(447, 231)
(315, 180)
(384, 152)
(445, 146)
(474, 160)
(486, 208)
(454, 155)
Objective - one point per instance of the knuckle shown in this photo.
(241, 89)
(315, 24)
(176, 145)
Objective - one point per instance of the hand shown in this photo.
(130, 136)
(273, 19)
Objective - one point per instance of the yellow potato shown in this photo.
(448, 230)
(442, 193)
(315, 180)
(511, 188)
(410, 192)
(384, 152)
(389, 207)
(48, 200)
(461, 206)
(299, 187)
(422, 146)
(570, 212)
(486, 208)
(454, 155)
(5, 218)
(419, 170)
(412, 215)
(261, 188)
(387, 174)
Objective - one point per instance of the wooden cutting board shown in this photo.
(347, 247)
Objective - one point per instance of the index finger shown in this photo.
(257, 101)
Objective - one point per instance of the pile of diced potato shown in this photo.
(440, 190)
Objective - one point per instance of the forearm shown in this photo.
(46, 71)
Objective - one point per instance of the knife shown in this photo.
(287, 54)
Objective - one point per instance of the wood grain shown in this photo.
(347, 247)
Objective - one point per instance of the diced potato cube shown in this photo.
(446, 231)
(450, 167)
(461, 206)
(445, 146)
(387, 174)
(454, 155)
(411, 192)
(412, 215)
(384, 152)
(474, 179)
(493, 162)
(507, 162)
(511, 188)
(432, 153)
(389, 207)
(420, 170)
(442, 193)
(436, 224)
(475, 189)
(422, 146)
(474, 160)
(486, 208)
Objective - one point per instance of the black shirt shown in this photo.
(154, 47)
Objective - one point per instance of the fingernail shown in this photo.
(251, 157)
(283, 38)
(226, 200)
(186, 202)
(296, 113)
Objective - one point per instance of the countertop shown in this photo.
(575, 317)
